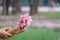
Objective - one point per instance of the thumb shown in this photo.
(7, 28)
(6, 33)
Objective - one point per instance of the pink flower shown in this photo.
(24, 20)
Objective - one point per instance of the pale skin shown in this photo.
(3, 33)
(8, 31)
(16, 30)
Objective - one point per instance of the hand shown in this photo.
(19, 30)
(4, 33)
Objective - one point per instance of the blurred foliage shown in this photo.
(1, 26)
(41, 2)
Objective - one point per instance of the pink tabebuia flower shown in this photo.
(24, 20)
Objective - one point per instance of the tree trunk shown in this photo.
(16, 6)
(58, 1)
(13, 7)
(5, 7)
(33, 6)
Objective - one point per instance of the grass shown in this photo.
(37, 34)
(46, 15)
(49, 15)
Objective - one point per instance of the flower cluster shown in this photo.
(24, 20)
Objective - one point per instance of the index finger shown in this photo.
(7, 28)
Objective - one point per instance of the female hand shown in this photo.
(17, 30)
(4, 33)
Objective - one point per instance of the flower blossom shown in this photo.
(24, 20)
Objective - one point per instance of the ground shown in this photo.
(41, 19)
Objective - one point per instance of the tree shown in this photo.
(33, 6)
(58, 1)
(16, 6)
(5, 7)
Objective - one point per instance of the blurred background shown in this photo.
(45, 15)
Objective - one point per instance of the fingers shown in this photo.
(4, 33)
(7, 28)
(24, 29)
(8, 34)
(19, 30)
